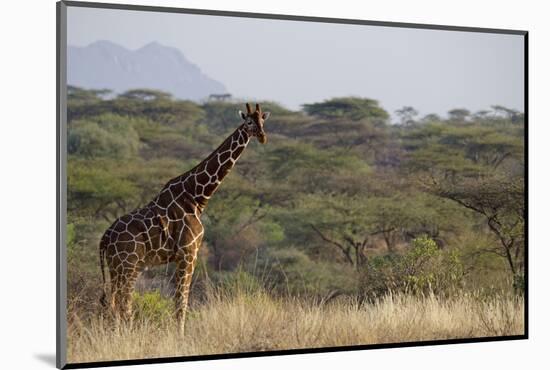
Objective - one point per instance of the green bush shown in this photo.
(419, 265)
(424, 268)
(108, 135)
(152, 306)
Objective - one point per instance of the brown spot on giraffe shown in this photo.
(169, 229)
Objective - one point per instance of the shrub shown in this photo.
(152, 306)
(423, 269)
(419, 264)
(107, 135)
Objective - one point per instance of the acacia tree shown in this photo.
(351, 224)
(406, 115)
(458, 115)
(145, 94)
(340, 222)
(404, 217)
(353, 108)
(79, 95)
(500, 200)
(510, 114)
(481, 169)
(431, 118)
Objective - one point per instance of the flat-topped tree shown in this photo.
(348, 108)
(145, 94)
(169, 229)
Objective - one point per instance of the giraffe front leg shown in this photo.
(184, 275)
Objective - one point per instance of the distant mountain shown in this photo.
(104, 64)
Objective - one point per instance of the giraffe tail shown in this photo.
(103, 299)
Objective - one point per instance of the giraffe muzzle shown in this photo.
(262, 138)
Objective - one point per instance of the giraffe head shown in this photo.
(254, 122)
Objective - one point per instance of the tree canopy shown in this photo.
(352, 108)
(337, 191)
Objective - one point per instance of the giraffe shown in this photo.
(169, 229)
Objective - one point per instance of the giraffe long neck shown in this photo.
(203, 180)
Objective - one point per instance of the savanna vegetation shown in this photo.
(345, 228)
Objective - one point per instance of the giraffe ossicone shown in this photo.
(169, 229)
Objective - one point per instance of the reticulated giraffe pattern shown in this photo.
(169, 229)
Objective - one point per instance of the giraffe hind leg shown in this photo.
(115, 294)
(122, 297)
(125, 262)
(112, 297)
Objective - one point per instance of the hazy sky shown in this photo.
(302, 62)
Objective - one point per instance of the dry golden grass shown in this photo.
(258, 322)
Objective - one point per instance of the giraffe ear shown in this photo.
(266, 115)
(242, 115)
